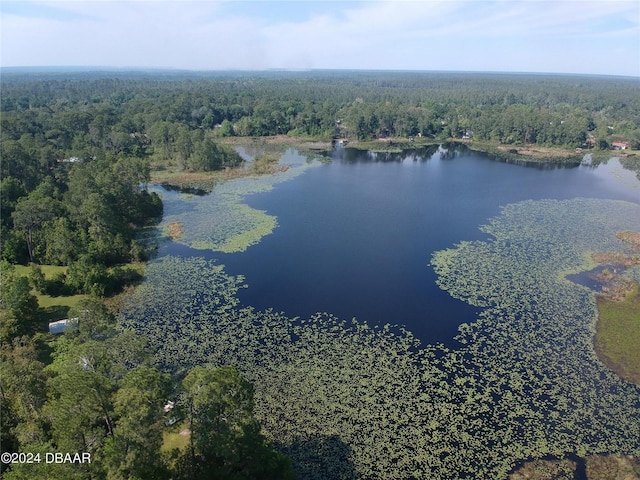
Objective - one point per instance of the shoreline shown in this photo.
(514, 152)
(314, 146)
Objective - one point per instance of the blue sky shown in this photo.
(562, 36)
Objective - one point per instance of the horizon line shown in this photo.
(111, 68)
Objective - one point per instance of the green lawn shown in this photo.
(177, 438)
(48, 270)
(52, 308)
(618, 335)
(57, 308)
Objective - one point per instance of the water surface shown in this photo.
(356, 235)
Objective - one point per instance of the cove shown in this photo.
(355, 235)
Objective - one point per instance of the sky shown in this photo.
(550, 36)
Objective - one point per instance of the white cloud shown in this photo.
(535, 35)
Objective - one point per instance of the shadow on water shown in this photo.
(188, 190)
(581, 467)
(596, 278)
(447, 151)
(320, 458)
(354, 155)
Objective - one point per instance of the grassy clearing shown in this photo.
(52, 308)
(57, 308)
(178, 439)
(618, 335)
(49, 270)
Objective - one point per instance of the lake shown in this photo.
(355, 235)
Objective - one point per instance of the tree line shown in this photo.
(86, 215)
(168, 117)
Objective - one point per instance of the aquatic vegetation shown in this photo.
(176, 305)
(538, 327)
(525, 382)
(224, 223)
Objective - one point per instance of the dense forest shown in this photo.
(171, 115)
(60, 130)
(76, 154)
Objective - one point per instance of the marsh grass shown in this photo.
(175, 230)
(265, 164)
(607, 467)
(546, 470)
(205, 181)
(632, 238)
(617, 339)
(597, 467)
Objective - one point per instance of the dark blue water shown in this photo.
(355, 236)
